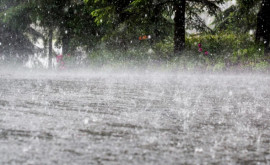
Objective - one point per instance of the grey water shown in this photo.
(134, 118)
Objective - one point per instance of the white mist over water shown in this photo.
(129, 117)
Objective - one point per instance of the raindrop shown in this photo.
(66, 32)
(86, 121)
(198, 150)
(5, 14)
(66, 9)
(0, 43)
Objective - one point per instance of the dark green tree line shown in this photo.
(119, 23)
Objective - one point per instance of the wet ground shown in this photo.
(134, 118)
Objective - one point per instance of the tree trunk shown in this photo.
(155, 19)
(45, 50)
(50, 48)
(263, 25)
(65, 44)
(179, 26)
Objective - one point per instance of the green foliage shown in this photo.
(237, 18)
(227, 50)
(262, 65)
(165, 47)
(127, 20)
(222, 43)
(14, 22)
(103, 15)
(16, 14)
(110, 30)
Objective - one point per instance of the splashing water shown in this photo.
(134, 118)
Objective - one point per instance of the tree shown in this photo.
(72, 20)
(185, 15)
(179, 26)
(155, 13)
(112, 18)
(19, 15)
(245, 16)
(263, 25)
(69, 22)
(14, 22)
(238, 18)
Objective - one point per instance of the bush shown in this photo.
(225, 50)
(230, 48)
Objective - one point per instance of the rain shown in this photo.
(134, 82)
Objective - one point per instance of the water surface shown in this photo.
(134, 118)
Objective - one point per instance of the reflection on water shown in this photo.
(134, 119)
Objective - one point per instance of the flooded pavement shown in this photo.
(134, 118)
